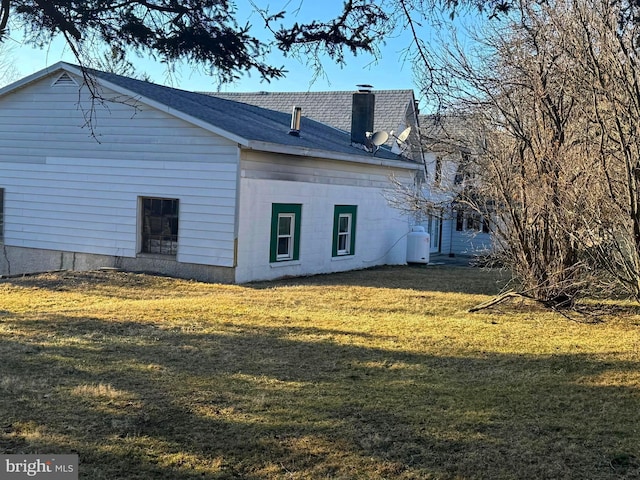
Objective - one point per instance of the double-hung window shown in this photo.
(344, 233)
(286, 229)
(285, 232)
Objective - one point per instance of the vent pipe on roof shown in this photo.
(296, 115)
(362, 112)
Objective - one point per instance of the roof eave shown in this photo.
(309, 152)
(34, 77)
(63, 66)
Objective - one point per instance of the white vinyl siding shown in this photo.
(66, 190)
(50, 207)
(39, 119)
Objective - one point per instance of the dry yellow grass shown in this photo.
(372, 374)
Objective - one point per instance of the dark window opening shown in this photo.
(160, 226)
(460, 221)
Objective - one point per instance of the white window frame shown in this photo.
(289, 236)
(346, 235)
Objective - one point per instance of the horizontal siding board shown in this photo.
(181, 138)
(70, 190)
(12, 154)
(76, 127)
(192, 235)
(145, 165)
(52, 181)
(41, 145)
(181, 135)
(97, 220)
(205, 231)
(116, 206)
(89, 165)
(187, 241)
(91, 231)
(72, 243)
(21, 159)
(225, 260)
(80, 212)
(209, 209)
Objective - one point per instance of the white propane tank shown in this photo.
(418, 245)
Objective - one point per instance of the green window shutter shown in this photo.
(339, 234)
(291, 214)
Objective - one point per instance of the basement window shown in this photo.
(159, 225)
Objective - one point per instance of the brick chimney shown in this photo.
(362, 112)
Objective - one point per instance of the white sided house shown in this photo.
(150, 178)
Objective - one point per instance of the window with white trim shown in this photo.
(344, 235)
(286, 229)
(285, 232)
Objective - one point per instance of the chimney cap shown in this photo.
(364, 87)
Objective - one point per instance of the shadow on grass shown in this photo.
(435, 278)
(139, 401)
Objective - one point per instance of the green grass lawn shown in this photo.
(374, 374)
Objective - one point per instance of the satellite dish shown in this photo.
(404, 135)
(379, 138)
(399, 146)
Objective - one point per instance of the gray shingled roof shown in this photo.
(332, 108)
(394, 109)
(246, 121)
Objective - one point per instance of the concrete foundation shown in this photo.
(21, 261)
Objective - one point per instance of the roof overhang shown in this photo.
(309, 152)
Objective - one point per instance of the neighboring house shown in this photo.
(151, 178)
(449, 169)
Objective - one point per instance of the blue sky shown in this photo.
(387, 72)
